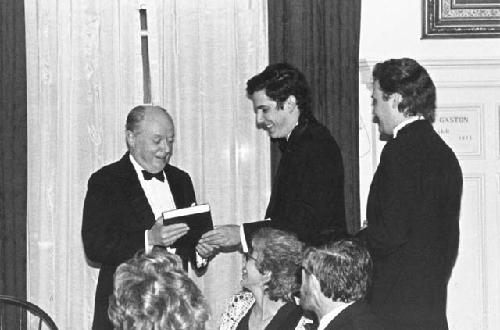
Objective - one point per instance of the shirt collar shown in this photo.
(327, 318)
(288, 136)
(138, 168)
(406, 122)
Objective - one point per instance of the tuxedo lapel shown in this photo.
(176, 187)
(134, 192)
(288, 149)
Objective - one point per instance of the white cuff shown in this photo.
(147, 247)
(244, 245)
(200, 261)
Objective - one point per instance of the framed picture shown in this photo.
(460, 19)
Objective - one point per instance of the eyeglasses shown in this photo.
(248, 256)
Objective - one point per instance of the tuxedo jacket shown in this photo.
(307, 196)
(116, 214)
(357, 316)
(413, 230)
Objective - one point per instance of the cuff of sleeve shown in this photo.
(244, 245)
(147, 248)
(200, 261)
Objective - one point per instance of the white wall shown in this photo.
(392, 29)
(466, 73)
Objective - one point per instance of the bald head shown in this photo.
(150, 136)
(137, 114)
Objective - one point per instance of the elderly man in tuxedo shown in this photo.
(124, 203)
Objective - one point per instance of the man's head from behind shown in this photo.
(401, 88)
(280, 95)
(336, 272)
(153, 292)
(150, 136)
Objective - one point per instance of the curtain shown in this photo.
(321, 38)
(207, 51)
(85, 74)
(13, 170)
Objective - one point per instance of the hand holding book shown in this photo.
(198, 218)
(166, 235)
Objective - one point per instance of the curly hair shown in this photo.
(281, 80)
(152, 291)
(280, 253)
(408, 78)
(343, 269)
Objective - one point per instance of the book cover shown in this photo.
(198, 218)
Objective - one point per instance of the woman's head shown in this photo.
(274, 263)
(153, 292)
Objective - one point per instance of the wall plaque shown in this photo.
(461, 128)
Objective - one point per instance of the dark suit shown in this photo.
(286, 318)
(307, 196)
(412, 213)
(116, 214)
(357, 316)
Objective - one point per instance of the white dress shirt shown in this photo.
(406, 122)
(159, 197)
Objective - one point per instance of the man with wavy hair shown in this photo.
(335, 281)
(414, 202)
(307, 196)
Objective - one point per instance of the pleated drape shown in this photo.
(13, 161)
(321, 38)
(85, 73)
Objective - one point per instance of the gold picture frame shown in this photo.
(460, 19)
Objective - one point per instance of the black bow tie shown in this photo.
(148, 176)
(283, 145)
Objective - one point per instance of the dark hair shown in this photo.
(343, 269)
(408, 78)
(152, 289)
(280, 253)
(281, 80)
(137, 114)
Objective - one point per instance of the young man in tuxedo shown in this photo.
(307, 196)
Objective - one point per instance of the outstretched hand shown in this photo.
(221, 237)
(207, 251)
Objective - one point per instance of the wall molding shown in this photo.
(441, 62)
(449, 73)
(478, 180)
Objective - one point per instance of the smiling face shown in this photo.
(277, 122)
(251, 278)
(151, 142)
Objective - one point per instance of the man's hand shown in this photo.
(206, 251)
(166, 235)
(222, 236)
